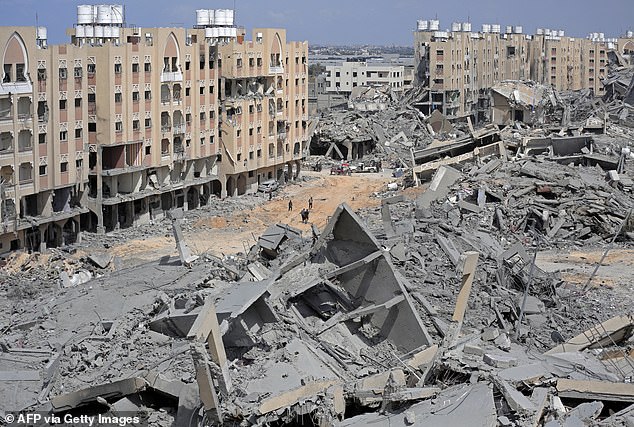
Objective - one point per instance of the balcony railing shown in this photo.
(171, 76)
(178, 129)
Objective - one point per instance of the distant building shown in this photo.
(343, 78)
(460, 66)
(123, 124)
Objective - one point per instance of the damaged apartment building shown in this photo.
(458, 67)
(122, 123)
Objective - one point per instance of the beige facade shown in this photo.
(459, 67)
(343, 78)
(116, 132)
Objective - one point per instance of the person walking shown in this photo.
(310, 202)
(270, 194)
(290, 205)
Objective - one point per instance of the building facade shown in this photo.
(460, 66)
(120, 125)
(343, 78)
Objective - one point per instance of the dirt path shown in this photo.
(220, 235)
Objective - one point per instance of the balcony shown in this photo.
(276, 69)
(178, 129)
(171, 76)
(281, 136)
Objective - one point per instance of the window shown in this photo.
(239, 156)
(92, 127)
(186, 91)
(259, 130)
(91, 69)
(77, 72)
(188, 118)
(136, 125)
(211, 139)
(41, 75)
(250, 131)
(259, 62)
(117, 98)
(187, 65)
(41, 138)
(79, 163)
(238, 132)
(202, 90)
(148, 95)
(239, 62)
(63, 135)
(135, 96)
(337, 74)
(251, 109)
(62, 104)
(63, 73)
(211, 89)
(148, 150)
(77, 102)
(202, 141)
(117, 68)
(42, 170)
(118, 126)
(135, 68)
(251, 62)
(8, 70)
(148, 123)
(63, 167)
(147, 67)
(91, 97)
(78, 133)
(259, 153)
(202, 116)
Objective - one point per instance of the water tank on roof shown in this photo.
(212, 18)
(601, 36)
(496, 28)
(540, 31)
(80, 31)
(509, 29)
(89, 30)
(486, 28)
(104, 14)
(116, 32)
(561, 33)
(40, 33)
(107, 32)
(85, 14)
(466, 27)
(117, 14)
(202, 17)
(629, 34)
(518, 29)
(422, 25)
(233, 32)
(230, 16)
(434, 25)
(209, 32)
(456, 26)
(221, 17)
(98, 31)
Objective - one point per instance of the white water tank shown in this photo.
(89, 31)
(40, 33)
(434, 25)
(540, 31)
(486, 28)
(221, 17)
(496, 28)
(466, 27)
(422, 25)
(518, 29)
(99, 31)
(629, 34)
(107, 32)
(561, 33)
(80, 31)
(202, 17)
(509, 29)
(104, 14)
(233, 32)
(601, 36)
(456, 26)
(209, 32)
(230, 16)
(116, 32)
(85, 14)
(117, 14)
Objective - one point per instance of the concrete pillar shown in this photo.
(42, 238)
(99, 209)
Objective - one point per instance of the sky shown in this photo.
(345, 22)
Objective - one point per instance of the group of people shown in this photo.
(304, 213)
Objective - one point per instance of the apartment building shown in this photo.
(120, 125)
(343, 78)
(460, 66)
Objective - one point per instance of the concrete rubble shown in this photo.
(429, 309)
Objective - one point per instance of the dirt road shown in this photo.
(227, 235)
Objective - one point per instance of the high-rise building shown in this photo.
(122, 124)
(460, 66)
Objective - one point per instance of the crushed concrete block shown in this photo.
(100, 260)
(533, 305)
(473, 349)
(503, 342)
(410, 418)
(499, 360)
(489, 334)
(504, 421)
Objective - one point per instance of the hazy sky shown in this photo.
(346, 21)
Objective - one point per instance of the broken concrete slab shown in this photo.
(613, 330)
(87, 396)
(595, 390)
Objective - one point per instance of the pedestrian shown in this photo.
(270, 194)
(310, 202)
(290, 205)
(302, 213)
(307, 214)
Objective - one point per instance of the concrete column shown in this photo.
(99, 208)
(43, 238)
